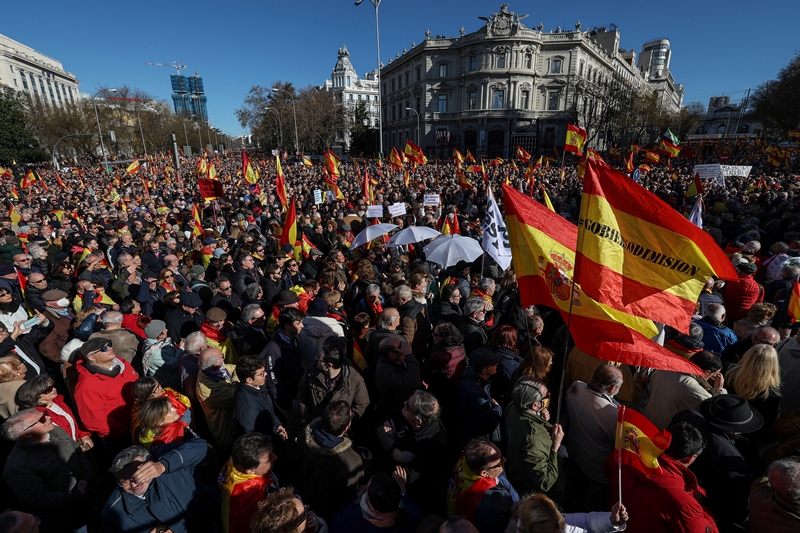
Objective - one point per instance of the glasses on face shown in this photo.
(226, 289)
(41, 420)
(412, 412)
(24, 260)
(168, 276)
(104, 348)
(292, 264)
(4, 294)
(38, 280)
(261, 374)
(498, 465)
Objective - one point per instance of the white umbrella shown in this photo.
(412, 234)
(372, 232)
(448, 250)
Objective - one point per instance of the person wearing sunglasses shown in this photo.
(40, 393)
(533, 442)
(104, 391)
(39, 474)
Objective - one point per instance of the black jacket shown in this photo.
(180, 323)
(29, 343)
(246, 340)
(474, 334)
(253, 410)
(284, 369)
(243, 278)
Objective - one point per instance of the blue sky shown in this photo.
(717, 47)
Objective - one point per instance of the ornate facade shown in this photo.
(503, 85)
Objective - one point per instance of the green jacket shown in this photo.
(532, 464)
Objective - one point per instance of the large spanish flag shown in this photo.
(332, 163)
(414, 153)
(250, 175)
(395, 158)
(197, 222)
(280, 184)
(522, 155)
(133, 167)
(638, 442)
(289, 233)
(637, 254)
(576, 138)
(543, 252)
(794, 302)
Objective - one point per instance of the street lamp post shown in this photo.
(377, 4)
(199, 135)
(185, 135)
(415, 112)
(294, 111)
(99, 131)
(280, 126)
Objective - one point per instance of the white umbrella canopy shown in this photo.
(448, 250)
(412, 234)
(370, 233)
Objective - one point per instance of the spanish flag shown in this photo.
(496, 162)
(470, 157)
(669, 148)
(250, 175)
(212, 172)
(14, 193)
(406, 178)
(463, 181)
(614, 152)
(201, 168)
(651, 156)
(332, 163)
(458, 158)
(637, 254)
(359, 363)
(333, 187)
(307, 162)
(280, 184)
(289, 232)
(197, 227)
(451, 227)
(522, 155)
(695, 188)
(133, 168)
(6, 173)
(543, 252)
(794, 302)
(638, 442)
(395, 158)
(28, 180)
(547, 201)
(60, 183)
(644, 168)
(306, 246)
(629, 163)
(576, 138)
(794, 134)
(538, 164)
(414, 153)
(14, 214)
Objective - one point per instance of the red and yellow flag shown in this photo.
(794, 134)
(60, 183)
(470, 157)
(414, 153)
(306, 246)
(669, 148)
(406, 178)
(201, 168)
(133, 168)
(794, 302)
(462, 180)
(14, 193)
(395, 158)
(629, 163)
(359, 363)
(28, 180)
(614, 152)
(197, 227)
(638, 441)
(212, 172)
(280, 184)
(651, 156)
(695, 188)
(289, 232)
(307, 162)
(458, 157)
(496, 162)
(250, 175)
(576, 138)
(522, 155)
(333, 187)
(543, 251)
(332, 163)
(637, 254)
(14, 214)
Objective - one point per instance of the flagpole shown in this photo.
(619, 454)
(566, 352)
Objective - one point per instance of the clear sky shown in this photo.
(717, 47)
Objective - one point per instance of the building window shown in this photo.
(394, 113)
(580, 69)
(348, 81)
(473, 63)
(406, 79)
(501, 60)
(524, 98)
(418, 73)
(384, 89)
(528, 61)
(472, 99)
(24, 81)
(443, 70)
(393, 86)
(442, 107)
(406, 107)
(498, 98)
(552, 101)
(555, 66)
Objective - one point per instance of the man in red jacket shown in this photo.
(741, 294)
(669, 500)
(104, 392)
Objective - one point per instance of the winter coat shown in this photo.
(448, 312)
(769, 511)
(478, 414)
(669, 499)
(331, 471)
(789, 362)
(242, 279)
(502, 381)
(253, 410)
(246, 340)
(592, 426)
(532, 461)
(672, 392)
(160, 360)
(716, 337)
(180, 323)
(216, 399)
(284, 369)
(395, 383)
(312, 337)
(105, 403)
(474, 334)
(415, 326)
(167, 499)
(740, 295)
(314, 395)
(52, 344)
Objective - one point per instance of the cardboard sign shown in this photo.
(317, 196)
(431, 200)
(707, 172)
(374, 211)
(397, 209)
(735, 170)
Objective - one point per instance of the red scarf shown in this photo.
(214, 335)
(375, 307)
(172, 433)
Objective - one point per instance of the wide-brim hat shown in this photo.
(731, 413)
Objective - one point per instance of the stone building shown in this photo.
(38, 76)
(504, 85)
(724, 119)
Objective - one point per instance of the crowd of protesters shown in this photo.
(157, 378)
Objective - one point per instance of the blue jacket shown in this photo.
(479, 415)
(716, 337)
(167, 498)
(351, 520)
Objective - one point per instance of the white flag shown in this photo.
(495, 236)
(696, 216)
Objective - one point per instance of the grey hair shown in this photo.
(388, 319)
(485, 284)
(474, 305)
(606, 377)
(427, 406)
(112, 317)
(373, 288)
(195, 342)
(249, 311)
(696, 331)
(15, 425)
(36, 251)
(252, 290)
(527, 391)
(791, 271)
(716, 311)
(784, 476)
(404, 292)
(128, 456)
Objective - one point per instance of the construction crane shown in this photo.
(177, 66)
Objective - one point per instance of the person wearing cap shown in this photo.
(311, 265)
(104, 390)
(46, 471)
(126, 344)
(216, 328)
(317, 327)
(157, 488)
(284, 300)
(743, 292)
(669, 498)
(56, 303)
(186, 318)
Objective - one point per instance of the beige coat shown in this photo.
(671, 393)
(216, 399)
